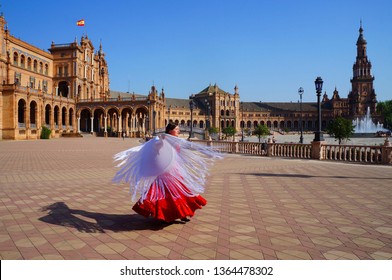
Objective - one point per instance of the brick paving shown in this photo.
(58, 202)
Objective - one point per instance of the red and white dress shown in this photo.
(168, 174)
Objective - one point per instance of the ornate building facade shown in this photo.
(67, 90)
(40, 88)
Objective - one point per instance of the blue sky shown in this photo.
(267, 48)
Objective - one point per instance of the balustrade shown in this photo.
(348, 153)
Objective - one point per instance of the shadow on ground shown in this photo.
(84, 221)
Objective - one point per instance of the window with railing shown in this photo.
(17, 78)
(32, 82)
(45, 86)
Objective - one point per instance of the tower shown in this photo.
(362, 94)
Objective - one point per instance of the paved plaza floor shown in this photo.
(57, 202)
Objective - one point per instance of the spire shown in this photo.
(361, 40)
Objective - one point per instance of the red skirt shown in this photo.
(168, 203)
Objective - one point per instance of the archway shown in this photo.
(85, 123)
(56, 116)
(70, 116)
(48, 111)
(63, 117)
(99, 121)
(126, 118)
(112, 125)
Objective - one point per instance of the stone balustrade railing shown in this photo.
(315, 150)
(369, 154)
(291, 150)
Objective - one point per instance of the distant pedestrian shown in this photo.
(123, 135)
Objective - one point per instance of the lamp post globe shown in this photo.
(300, 92)
(318, 136)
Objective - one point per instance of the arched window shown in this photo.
(269, 124)
(35, 65)
(33, 108)
(70, 116)
(16, 57)
(29, 63)
(63, 116)
(21, 113)
(22, 61)
(56, 116)
(47, 115)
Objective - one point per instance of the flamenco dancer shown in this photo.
(168, 174)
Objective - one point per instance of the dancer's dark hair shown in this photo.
(170, 127)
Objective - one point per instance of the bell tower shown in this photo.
(362, 94)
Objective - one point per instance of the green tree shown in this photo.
(385, 110)
(45, 132)
(213, 130)
(261, 131)
(229, 131)
(340, 128)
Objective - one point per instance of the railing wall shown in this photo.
(369, 154)
(315, 150)
(291, 150)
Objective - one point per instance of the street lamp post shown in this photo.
(242, 122)
(154, 114)
(318, 135)
(148, 118)
(207, 104)
(191, 106)
(300, 92)
(168, 121)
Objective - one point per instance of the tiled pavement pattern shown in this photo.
(58, 202)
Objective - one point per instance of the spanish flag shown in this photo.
(80, 22)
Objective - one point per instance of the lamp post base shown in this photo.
(318, 136)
